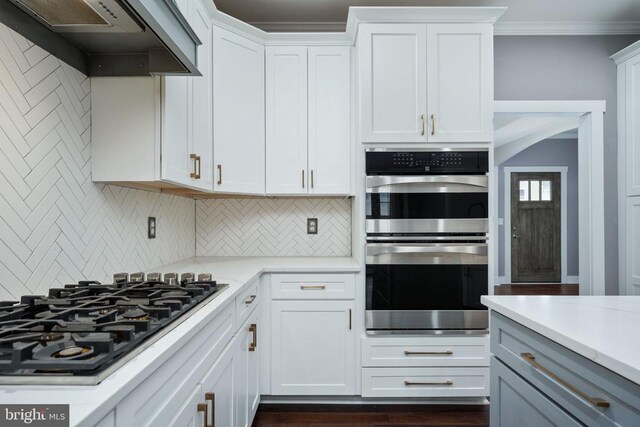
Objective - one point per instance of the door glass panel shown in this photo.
(524, 191)
(546, 191)
(535, 191)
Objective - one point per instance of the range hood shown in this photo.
(108, 37)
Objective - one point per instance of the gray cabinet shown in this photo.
(569, 388)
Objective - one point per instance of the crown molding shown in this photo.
(300, 27)
(567, 28)
(626, 53)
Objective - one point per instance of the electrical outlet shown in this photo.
(312, 225)
(151, 227)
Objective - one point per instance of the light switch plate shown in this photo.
(312, 225)
(151, 227)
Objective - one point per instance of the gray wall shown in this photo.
(551, 152)
(569, 68)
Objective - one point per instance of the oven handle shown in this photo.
(428, 183)
(427, 254)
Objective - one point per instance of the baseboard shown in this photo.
(500, 280)
(359, 400)
(573, 279)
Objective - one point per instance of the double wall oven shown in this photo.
(426, 250)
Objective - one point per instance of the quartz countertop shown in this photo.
(89, 404)
(604, 329)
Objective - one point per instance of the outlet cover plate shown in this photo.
(151, 227)
(312, 225)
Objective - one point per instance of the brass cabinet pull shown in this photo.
(203, 407)
(196, 166)
(302, 178)
(254, 330)
(250, 299)
(312, 287)
(349, 319)
(219, 174)
(211, 397)
(410, 383)
(595, 401)
(423, 120)
(428, 353)
(433, 124)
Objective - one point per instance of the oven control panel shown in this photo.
(427, 162)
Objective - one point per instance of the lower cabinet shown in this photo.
(246, 380)
(190, 414)
(218, 390)
(312, 347)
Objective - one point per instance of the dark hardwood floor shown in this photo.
(536, 289)
(350, 415)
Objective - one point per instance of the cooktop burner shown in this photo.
(82, 332)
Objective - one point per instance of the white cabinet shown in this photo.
(426, 83)
(631, 128)
(156, 131)
(393, 72)
(312, 347)
(460, 82)
(632, 249)
(246, 377)
(191, 413)
(218, 391)
(238, 112)
(308, 120)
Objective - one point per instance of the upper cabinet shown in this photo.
(238, 113)
(308, 141)
(426, 83)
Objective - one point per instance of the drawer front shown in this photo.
(312, 286)
(162, 393)
(590, 392)
(515, 402)
(425, 382)
(425, 351)
(247, 301)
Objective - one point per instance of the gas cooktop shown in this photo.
(81, 333)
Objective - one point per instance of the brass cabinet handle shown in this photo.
(254, 330)
(428, 353)
(219, 174)
(250, 299)
(433, 124)
(423, 120)
(595, 401)
(410, 383)
(312, 287)
(211, 397)
(302, 178)
(349, 319)
(203, 407)
(311, 178)
(196, 166)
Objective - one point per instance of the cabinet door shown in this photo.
(286, 103)
(246, 381)
(201, 98)
(515, 402)
(460, 82)
(393, 82)
(238, 111)
(188, 415)
(219, 382)
(312, 348)
(633, 246)
(329, 120)
(632, 126)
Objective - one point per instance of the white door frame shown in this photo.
(508, 170)
(590, 182)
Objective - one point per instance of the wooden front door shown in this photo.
(535, 227)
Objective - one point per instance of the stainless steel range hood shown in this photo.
(108, 37)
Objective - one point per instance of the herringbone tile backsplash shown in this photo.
(56, 226)
(272, 227)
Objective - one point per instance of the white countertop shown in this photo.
(90, 403)
(604, 329)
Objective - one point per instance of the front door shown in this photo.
(535, 227)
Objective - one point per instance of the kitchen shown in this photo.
(308, 222)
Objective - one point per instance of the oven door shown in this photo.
(426, 287)
(427, 204)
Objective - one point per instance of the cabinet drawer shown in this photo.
(572, 381)
(246, 301)
(425, 382)
(312, 286)
(425, 351)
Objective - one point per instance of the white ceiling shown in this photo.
(523, 16)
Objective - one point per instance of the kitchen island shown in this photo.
(560, 360)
